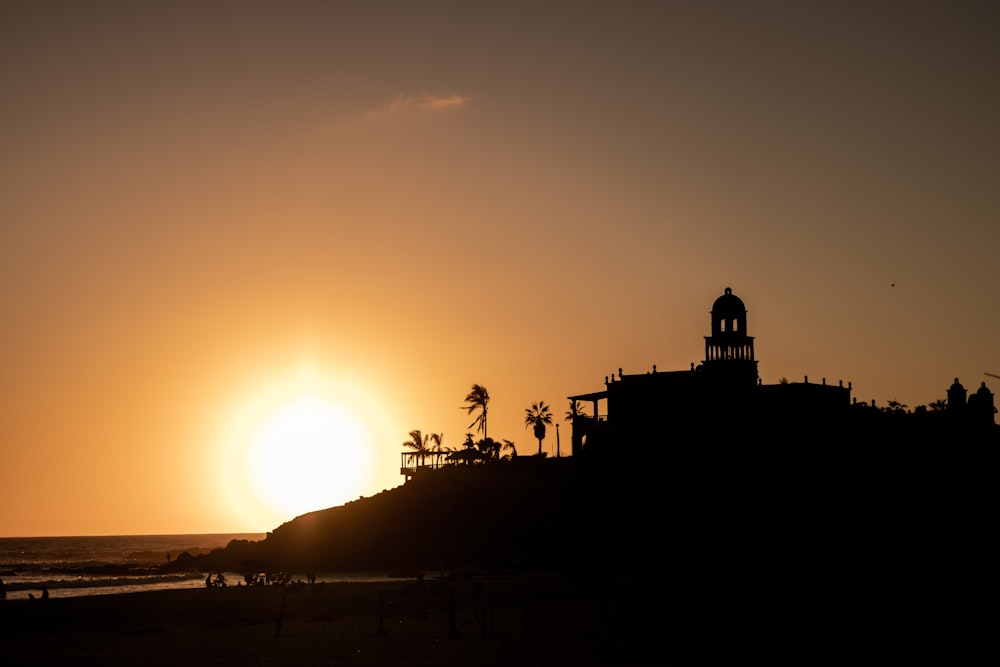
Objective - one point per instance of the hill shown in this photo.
(525, 514)
(724, 515)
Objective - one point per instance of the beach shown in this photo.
(525, 620)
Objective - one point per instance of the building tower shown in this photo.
(729, 350)
(981, 406)
(956, 398)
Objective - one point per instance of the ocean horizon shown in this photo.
(72, 566)
(76, 566)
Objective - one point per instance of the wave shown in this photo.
(103, 582)
(62, 552)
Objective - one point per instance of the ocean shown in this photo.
(75, 566)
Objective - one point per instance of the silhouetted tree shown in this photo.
(489, 450)
(511, 447)
(575, 410)
(538, 416)
(478, 400)
(438, 442)
(418, 443)
(939, 405)
(895, 406)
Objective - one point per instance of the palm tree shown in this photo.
(575, 410)
(939, 405)
(489, 449)
(538, 416)
(511, 447)
(478, 399)
(896, 407)
(437, 448)
(418, 443)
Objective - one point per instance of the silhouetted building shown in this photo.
(719, 402)
(729, 355)
(956, 398)
(981, 405)
(978, 410)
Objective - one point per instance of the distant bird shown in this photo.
(892, 285)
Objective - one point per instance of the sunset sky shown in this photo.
(209, 210)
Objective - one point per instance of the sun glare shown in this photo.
(297, 451)
(308, 454)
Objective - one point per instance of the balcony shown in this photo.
(413, 462)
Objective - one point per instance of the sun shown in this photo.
(308, 453)
(296, 440)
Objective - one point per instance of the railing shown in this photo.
(411, 462)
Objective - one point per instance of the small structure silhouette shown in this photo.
(978, 409)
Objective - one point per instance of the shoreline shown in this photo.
(80, 586)
(513, 619)
(542, 619)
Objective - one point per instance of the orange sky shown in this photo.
(205, 206)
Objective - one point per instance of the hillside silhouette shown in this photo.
(703, 489)
(723, 516)
(527, 514)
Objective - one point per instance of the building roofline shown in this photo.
(596, 396)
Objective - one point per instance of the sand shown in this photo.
(495, 621)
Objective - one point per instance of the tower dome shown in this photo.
(957, 397)
(729, 350)
(729, 315)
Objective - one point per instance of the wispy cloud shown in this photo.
(401, 106)
(414, 104)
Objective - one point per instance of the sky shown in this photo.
(212, 211)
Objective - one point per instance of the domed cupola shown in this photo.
(983, 404)
(729, 315)
(957, 397)
(729, 347)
